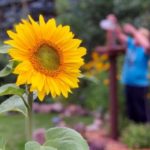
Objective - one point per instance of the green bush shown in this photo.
(92, 94)
(137, 136)
(83, 16)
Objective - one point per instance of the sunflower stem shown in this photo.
(25, 103)
(29, 120)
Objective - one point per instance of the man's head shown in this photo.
(112, 18)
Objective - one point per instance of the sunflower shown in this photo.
(49, 55)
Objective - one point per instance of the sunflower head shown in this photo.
(49, 55)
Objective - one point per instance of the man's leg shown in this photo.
(140, 98)
(129, 102)
(136, 103)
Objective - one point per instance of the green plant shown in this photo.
(23, 97)
(137, 136)
(56, 139)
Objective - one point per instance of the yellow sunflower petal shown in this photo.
(20, 56)
(21, 79)
(25, 66)
(50, 27)
(41, 95)
(54, 85)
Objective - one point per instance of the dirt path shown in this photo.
(99, 141)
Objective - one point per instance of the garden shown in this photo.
(61, 76)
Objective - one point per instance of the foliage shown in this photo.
(96, 95)
(21, 101)
(64, 138)
(69, 11)
(90, 13)
(94, 85)
(60, 139)
(2, 143)
(136, 12)
(84, 17)
(13, 103)
(137, 136)
(8, 69)
(9, 89)
(15, 137)
(4, 49)
(93, 92)
(13, 126)
(36, 146)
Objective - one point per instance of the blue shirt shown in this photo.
(135, 69)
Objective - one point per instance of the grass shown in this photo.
(12, 127)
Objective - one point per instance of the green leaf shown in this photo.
(14, 103)
(8, 69)
(4, 49)
(32, 145)
(2, 143)
(11, 89)
(90, 78)
(65, 139)
(47, 148)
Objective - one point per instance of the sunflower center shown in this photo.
(48, 57)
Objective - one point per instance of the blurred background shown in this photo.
(88, 106)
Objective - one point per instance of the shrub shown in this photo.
(137, 136)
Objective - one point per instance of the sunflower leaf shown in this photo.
(32, 145)
(2, 143)
(8, 69)
(13, 103)
(4, 49)
(65, 139)
(11, 89)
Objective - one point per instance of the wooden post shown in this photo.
(113, 98)
(113, 106)
(112, 50)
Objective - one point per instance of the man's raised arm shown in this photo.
(139, 36)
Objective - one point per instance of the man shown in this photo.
(135, 69)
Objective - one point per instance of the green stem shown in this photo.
(25, 103)
(29, 117)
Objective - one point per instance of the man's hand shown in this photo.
(138, 36)
(109, 23)
(128, 28)
(117, 29)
